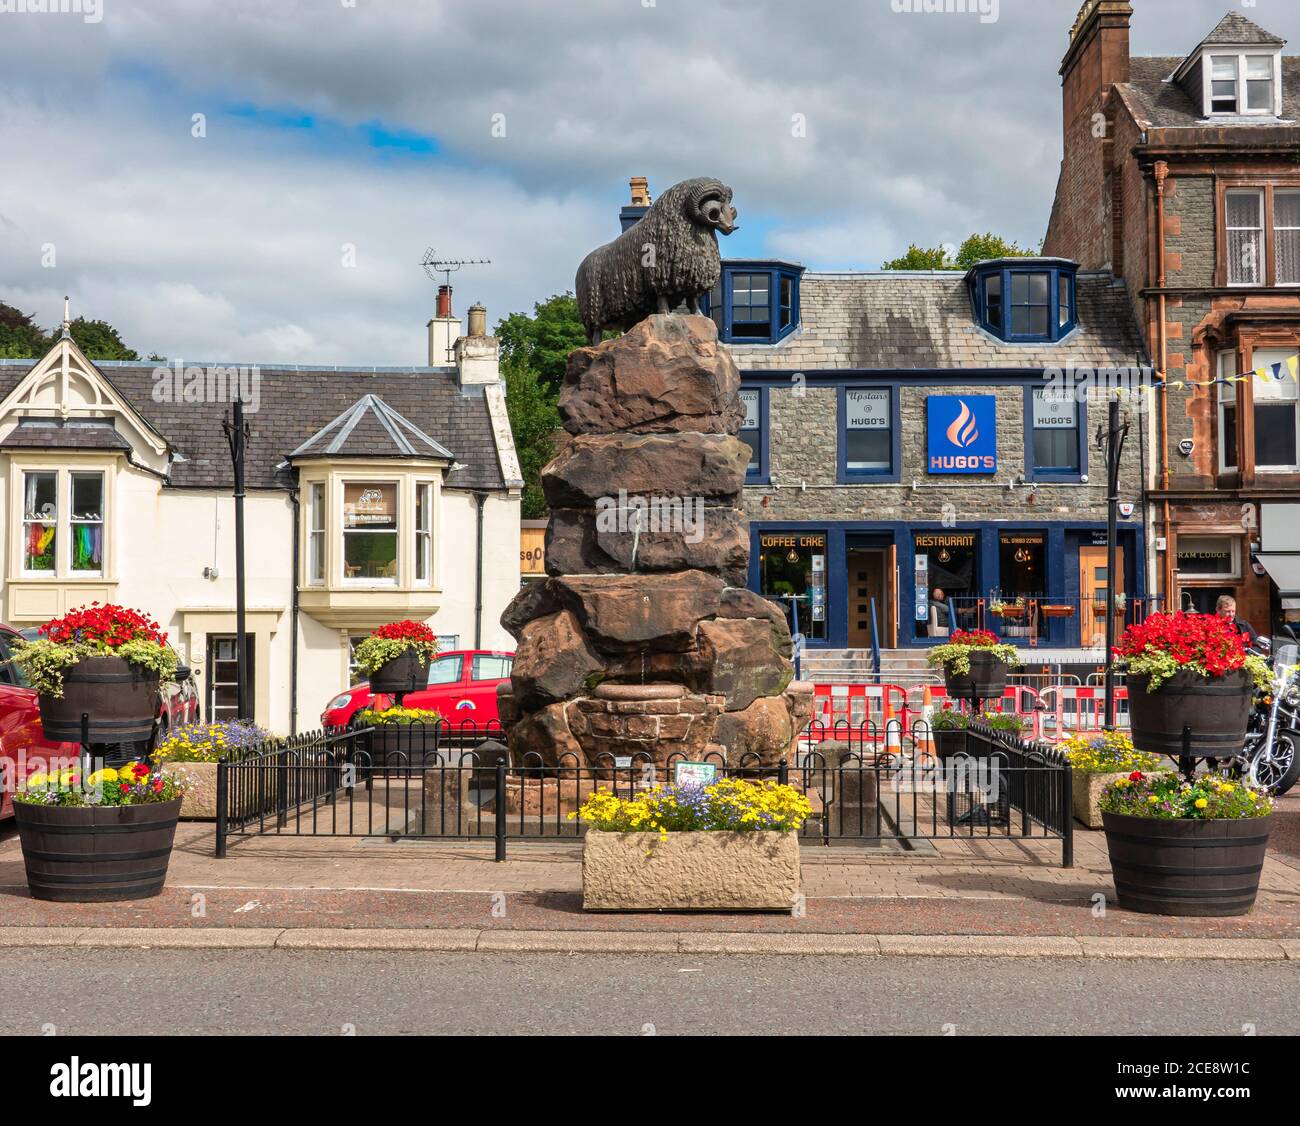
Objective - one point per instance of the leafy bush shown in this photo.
(93, 631)
(132, 784)
(1169, 797)
(957, 650)
(389, 642)
(211, 742)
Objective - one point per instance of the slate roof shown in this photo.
(371, 428)
(924, 320)
(294, 403)
(1157, 103)
(64, 438)
(1235, 30)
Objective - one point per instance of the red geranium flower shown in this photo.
(977, 638)
(1200, 639)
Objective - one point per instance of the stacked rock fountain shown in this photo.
(643, 640)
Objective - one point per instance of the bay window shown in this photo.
(1276, 403)
(87, 523)
(754, 302)
(370, 527)
(40, 522)
(316, 534)
(423, 533)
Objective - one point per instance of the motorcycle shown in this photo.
(1268, 758)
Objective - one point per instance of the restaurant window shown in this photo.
(792, 572)
(1275, 412)
(370, 531)
(316, 534)
(1055, 444)
(867, 434)
(424, 533)
(1022, 564)
(1227, 368)
(946, 562)
(40, 521)
(751, 432)
(1210, 557)
(1245, 227)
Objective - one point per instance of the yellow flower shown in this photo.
(1152, 800)
(1201, 803)
(40, 778)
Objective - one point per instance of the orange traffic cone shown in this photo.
(893, 730)
(927, 748)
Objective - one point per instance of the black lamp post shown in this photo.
(1111, 443)
(237, 439)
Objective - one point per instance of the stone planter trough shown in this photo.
(703, 871)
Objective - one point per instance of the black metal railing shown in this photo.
(865, 783)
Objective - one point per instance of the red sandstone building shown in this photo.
(1181, 175)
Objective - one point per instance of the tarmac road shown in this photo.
(232, 992)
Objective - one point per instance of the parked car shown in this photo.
(462, 688)
(178, 703)
(23, 746)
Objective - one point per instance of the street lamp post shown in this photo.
(237, 438)
(1111, 443)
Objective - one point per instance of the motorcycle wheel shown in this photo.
(1279, 771)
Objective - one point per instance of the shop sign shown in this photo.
(806, 540)
(365, 505)
(961, 433)
(866, 410)
(944, 539)
(532, 551)
(1054, 412)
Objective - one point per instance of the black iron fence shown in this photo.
(865, 784)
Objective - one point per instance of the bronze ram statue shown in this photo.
(668, 257)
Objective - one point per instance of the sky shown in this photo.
(257, 181)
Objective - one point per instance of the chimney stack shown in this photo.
(640, 202)
(478, 355)
(444, 328)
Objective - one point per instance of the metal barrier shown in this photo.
(1067, 709)
(864, 784)
(856, 705)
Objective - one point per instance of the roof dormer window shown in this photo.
(1025, 299)
(754, 302)
(1240, 83)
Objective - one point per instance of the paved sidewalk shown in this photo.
(960, 887)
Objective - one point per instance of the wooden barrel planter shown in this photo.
(96, 854)
(1215, 709)
(120, 698)
(949, 741)
(406, 673)
(987, 679)
(1186, 867)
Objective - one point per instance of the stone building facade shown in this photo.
(1179, 176)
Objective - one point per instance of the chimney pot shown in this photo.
(444, 301)
(477, 320)
(640, 186)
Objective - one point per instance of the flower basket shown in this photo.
(120, 699)
(395, 658)
(1189, 672)
(1185, 847)
(408, 672)
(974, 664)
(104, 662)
(1215, 709)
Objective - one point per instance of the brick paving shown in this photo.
(956, 886)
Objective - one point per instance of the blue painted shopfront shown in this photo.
(1060, 548)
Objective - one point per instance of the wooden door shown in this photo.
(1092, 595)
(866, 573)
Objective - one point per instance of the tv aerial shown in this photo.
(433, 265)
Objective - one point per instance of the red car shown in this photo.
(23, 747)
(462, 689)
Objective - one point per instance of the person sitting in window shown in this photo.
(939, 608)
(1226, 608)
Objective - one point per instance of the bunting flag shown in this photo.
(1269, 373)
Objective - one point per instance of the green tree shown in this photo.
(976, 248)
(534, 351)
(21, 338)
(543, 341)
